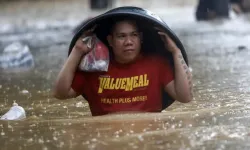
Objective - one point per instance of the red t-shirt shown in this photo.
(131, 87)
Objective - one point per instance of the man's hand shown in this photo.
(168, 42)
(181, 87)
(62, 88)
(82, 45)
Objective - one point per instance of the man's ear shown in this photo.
(110, 40)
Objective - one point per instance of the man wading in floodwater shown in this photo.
(133, 81)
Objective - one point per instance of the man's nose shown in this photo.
(128, 40)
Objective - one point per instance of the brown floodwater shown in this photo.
(217, 118)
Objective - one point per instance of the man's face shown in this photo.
(125, 41)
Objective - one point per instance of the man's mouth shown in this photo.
(129, 50)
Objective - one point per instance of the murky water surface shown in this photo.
(218, 118)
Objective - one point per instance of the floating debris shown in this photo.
(16, 55)
(15, 113)
(24, 92)
(79, 104)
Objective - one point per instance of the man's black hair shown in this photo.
(116, 20)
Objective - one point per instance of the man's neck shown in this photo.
(124, 62)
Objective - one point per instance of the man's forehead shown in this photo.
(125, 26)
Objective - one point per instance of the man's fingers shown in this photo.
(166, 38)
(93, 28)
(159, 29)
(165, 35)
(163, 38)
(82, 46)
(85, 39)
(162, 33)
(88, 32)
(79, 45)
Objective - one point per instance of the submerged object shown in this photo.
(146, 22)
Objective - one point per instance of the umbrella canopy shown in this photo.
(146, 22)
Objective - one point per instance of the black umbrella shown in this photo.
(146, 20)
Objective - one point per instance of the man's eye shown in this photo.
(135, 34)
(121, 36)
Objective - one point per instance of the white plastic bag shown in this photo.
(15, 113)
(98, 58)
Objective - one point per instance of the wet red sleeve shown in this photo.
(78, 82)
(166, 72)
